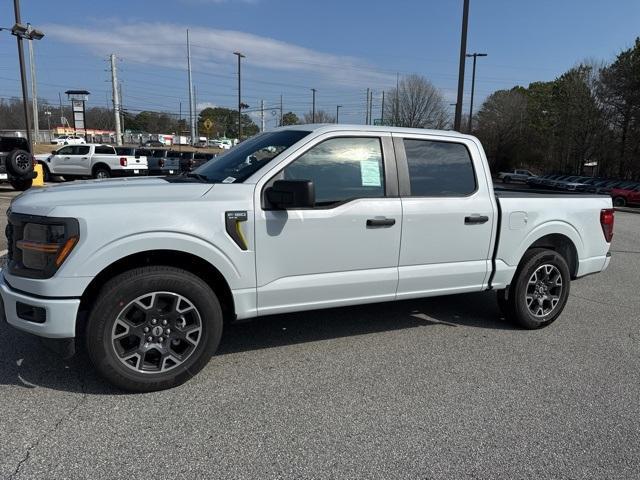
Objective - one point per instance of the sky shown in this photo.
(340, 48)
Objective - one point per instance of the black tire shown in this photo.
(121, 293)
(523, 297)
(102, 172)
(19, 163)
(619, 201)
(506, 179)
(21, 184)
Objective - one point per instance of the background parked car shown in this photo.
(191, 160)
(515, 176)
(626, 196)
(160, 161)
(153, 143)
(68, 140)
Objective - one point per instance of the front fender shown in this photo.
(91, 263)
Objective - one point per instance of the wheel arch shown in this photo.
(99, 165)
(561, 244)
(173, 258)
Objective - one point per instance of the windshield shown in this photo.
(248, 157)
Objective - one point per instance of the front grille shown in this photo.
(8, 231)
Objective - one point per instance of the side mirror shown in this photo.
(290, 194)
(53, 152)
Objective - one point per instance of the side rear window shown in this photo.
(439, 169)
(81, 150)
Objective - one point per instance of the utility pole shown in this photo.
(382, 109)
(473, 87)
(23, 76)
(338, 113)
(121, 110)
(371, 107)
(281, 114)
(34, 91)
(191, 127)
(463, 52)
(313, 106)
(195, 115)
(61, 111)
(261, 115)
(115, 99)
(366, 110)
(396, 113)
(240, 56)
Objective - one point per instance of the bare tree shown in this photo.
(416, 103)
(321, 117)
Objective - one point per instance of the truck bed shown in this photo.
(526, 216)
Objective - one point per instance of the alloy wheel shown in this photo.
(156, 332)
(544, 290)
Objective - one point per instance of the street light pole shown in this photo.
(463, 52)
(473, 86)
(338, 113)
(240, 56)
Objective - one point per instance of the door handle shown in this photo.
(475, 219)
(381, 222)
(84, 158)
(67, 158)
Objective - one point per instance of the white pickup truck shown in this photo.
(91, 160)
(298, 218)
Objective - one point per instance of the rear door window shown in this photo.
(439, 169)
(105, 150)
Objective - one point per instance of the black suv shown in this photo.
(16, 162)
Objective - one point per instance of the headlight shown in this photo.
(39, 245)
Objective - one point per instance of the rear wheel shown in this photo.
(153, 328)
(619, 201)
(101, 173)
(539, 291)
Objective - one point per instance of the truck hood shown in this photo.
(41, 201)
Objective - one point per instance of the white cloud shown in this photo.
(164, 44)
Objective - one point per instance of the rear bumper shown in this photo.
(59, 314)
(591, 265)
(142, 172)
(165, 171)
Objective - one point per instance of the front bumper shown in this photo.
(60, 314)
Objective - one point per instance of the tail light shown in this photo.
(161, 162)
(606, 220)
(123, 162)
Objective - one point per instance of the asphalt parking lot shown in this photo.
(434, 388)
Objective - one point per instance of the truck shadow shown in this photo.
(27, 363)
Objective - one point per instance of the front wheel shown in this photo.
(153, 328)
(539, 291)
